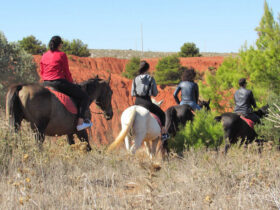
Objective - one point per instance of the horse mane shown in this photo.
(90, 83)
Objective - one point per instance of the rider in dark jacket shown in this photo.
(244, 100)
(143, 87)
(189, 90)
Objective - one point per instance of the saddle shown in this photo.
(65, 100)
(248, 121)
(157, 119)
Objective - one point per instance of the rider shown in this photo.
(244, 100)
(143, 87)
(54, 71)
(189, 89)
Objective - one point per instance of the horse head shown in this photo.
(100, 92)
(263, 111)
(205, 104)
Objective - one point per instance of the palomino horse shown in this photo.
(139, 125)
(235, 128)
(47, 115)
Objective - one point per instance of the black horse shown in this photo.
(235, 128)
(176, 116)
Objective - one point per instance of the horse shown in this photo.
(176, 116)
(179, 115)
(139, 125)
(47, 115)
(235, 128)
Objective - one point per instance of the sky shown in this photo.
(154, 25)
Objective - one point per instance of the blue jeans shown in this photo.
(192, 104)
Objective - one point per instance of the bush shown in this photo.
(131, 68)
(204, 131)
(32, 45)
(267, 130)
(75, 47)
(16, 65)
(168, 70)
(189, 50)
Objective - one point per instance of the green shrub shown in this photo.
(189, 49)
(16, 66)
(75, 47)
(168, 70)
(267, 130)
(204, 131)
(32, 45)
(131, 68)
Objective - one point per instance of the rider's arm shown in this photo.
(41, 70)
(65, 68)
(133, 88)
(196, 90)
(253, 102)
(175, 94)
(154, 87)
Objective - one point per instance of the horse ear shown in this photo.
(209, 101)
(97, 76)
(109, 79)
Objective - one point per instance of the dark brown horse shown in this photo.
(47, 115)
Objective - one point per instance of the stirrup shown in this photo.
(84, 126)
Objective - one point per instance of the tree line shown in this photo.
(34, 46)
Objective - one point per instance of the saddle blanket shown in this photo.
(65, 100)
(157, 119)
(248, 121)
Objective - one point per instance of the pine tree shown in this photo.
(260, 64)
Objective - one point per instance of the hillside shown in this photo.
(128, 54)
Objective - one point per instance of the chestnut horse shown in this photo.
(47, 115)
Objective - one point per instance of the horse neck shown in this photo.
(92, 90)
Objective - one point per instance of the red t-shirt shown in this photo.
(54, 65)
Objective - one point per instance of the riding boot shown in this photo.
(164, 135)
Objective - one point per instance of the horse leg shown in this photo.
(39, 129)
(137, 142)
(70, 139)
(148, 148)
(17, 121)
(154, 146)
(83, 136)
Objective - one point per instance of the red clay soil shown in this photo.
(85, 68)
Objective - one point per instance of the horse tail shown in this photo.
(125, 128)
(218, 118)
(13, 105)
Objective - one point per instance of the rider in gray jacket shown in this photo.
(189, 90)
(244, 100)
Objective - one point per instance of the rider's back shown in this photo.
(244, 101)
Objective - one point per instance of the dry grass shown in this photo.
(64, 177)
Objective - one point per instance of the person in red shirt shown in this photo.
(54, 71)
